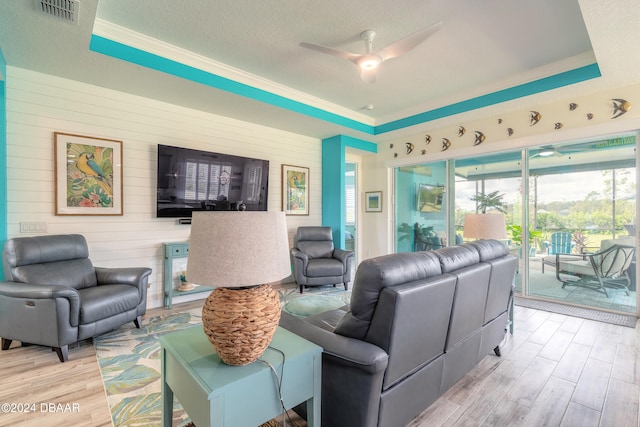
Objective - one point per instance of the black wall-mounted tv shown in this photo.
(194, 180)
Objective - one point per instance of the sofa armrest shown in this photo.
(349, 352)
(298, 254)
(352, 374)
(134, 276)
(300, 261)
(342, 254)
(31, 291)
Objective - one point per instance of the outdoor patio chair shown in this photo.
(561, 242)
(605, 269)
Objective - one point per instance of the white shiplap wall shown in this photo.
(39, 105)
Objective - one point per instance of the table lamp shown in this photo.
(485, 226)
(239, 253)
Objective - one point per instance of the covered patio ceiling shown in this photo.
(611, 153)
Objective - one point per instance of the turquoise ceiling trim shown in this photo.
(359, 144)
(548, 83)
(136, 56)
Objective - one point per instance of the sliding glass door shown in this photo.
(420, 207)
(564, 205)
(495, 181)
(583, 201)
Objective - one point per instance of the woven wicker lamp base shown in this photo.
(240, 323)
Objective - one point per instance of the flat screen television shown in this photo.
(194, 180)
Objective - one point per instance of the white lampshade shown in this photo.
(485, 226)
(236, 249)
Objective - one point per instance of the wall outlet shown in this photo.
(33, 227)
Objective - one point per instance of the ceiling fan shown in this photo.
(563, 150)
(547, 152)
(370, 60)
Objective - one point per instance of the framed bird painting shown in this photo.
(88, 175)
(295, 190)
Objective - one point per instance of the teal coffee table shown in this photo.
(215, 394)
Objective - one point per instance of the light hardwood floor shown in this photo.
(554, 371)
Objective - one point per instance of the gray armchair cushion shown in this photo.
(325, 267)
(45, 249)
(101, 302)
(317, 249)
(75, 273)
(317, 242)
(49, 260)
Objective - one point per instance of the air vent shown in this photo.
(67, 10)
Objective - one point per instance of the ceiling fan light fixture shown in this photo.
(369, 62)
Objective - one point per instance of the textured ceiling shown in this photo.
(484, 46)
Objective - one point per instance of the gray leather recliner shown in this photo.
(316, 261)
(54, 296)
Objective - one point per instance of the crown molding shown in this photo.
(157, 47)
(568, 64)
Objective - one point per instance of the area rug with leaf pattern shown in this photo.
(129, 358)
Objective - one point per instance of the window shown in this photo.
(584, 190)
(206, 180)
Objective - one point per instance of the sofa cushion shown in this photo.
(100, 302)
(373, 275)
(457, 257)
(411, 322)
(501, 286)
(467, 312)
(577, 266)
(490, 249)
(328, 320)
(323, 267)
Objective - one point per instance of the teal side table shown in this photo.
(218, 395)
(173, 251)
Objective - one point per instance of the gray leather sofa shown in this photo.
(416, 324)
(54, 296)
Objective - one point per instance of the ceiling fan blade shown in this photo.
(331, 51)
(368, 76)
(406, 44)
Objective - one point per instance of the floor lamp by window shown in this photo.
(485, 226)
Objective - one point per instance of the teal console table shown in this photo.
(174, 251)
(215, 394)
